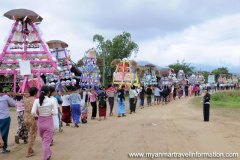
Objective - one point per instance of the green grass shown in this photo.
(226, 99)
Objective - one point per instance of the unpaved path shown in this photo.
(177, 127)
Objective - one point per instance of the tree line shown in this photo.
(121, 46)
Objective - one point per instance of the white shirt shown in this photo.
(56, 106)
(48, 107)
(65, 99)
(132, 93)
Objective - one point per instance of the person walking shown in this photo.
(174, 92)
(110, 93)
(195, 90)
(84, 104)
(156, 95)
(75, 103)
(93, 100)
(132, 99)
(206, 106)
(121, 101)
(5, 120)
(142, 97)
(165, 95)
(66, 110)
(56, 122)
(22, 132)
(102, 106)
(30, 121)
(43, 109)
(180, 91)
(149, 96)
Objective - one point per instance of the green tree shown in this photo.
(217, 72)
(121, 46)
(186, 67)
(205, 74)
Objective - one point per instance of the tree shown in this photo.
(205, 74)
(217, 72)
(186, 67)
(121, 46)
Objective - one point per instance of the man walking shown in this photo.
(206, 106)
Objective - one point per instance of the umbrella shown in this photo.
(164, 72)
(18, 14)
(149, 65)
(53, 44)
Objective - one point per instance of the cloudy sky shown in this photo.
(203, 32)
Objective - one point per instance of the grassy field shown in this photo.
(226, 99)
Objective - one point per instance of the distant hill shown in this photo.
(198, 67)
(143, 63)
(205, 67)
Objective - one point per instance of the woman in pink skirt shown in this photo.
(43, 109)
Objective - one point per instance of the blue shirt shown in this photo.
(75, 98)
(156, 92)
(5, 103)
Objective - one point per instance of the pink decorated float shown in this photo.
(25, 55)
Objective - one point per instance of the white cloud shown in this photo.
(165, 31)
(214, 42)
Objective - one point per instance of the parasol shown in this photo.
(53, 44)
(149, 65)
(18, 14)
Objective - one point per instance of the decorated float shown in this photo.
(168, 77)
(64, 77)
(181, 77)
(90, 71)
(235, 79)
(222, 80)
(125, 73)
(25, 56)
(211, 79)
(200, 78)
(149, 77)
(192, 79)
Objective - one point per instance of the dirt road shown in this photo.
(177, 127)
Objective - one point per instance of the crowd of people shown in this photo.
(46, 111)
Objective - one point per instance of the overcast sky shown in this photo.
(199, 31)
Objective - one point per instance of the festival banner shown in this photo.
(121, 76)
(25, 67)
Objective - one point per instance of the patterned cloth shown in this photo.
(22, 131)
(102, 97)
(20, 106)
(30, 121)
(66, 114)
(45, 128)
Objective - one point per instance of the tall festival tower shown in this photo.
(25, 54)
